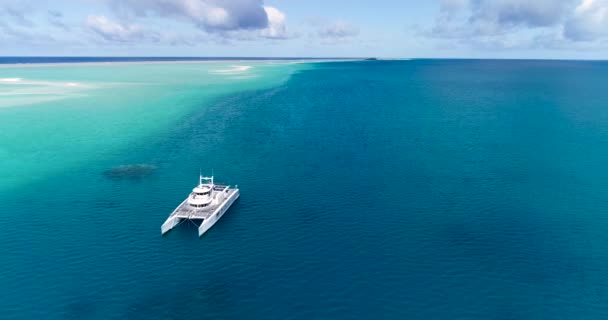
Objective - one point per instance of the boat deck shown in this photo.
(185, 211)
(222, 197)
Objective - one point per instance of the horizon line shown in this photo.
(290, 58)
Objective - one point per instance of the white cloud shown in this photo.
(589, 22)
(223, 21)
(518, 13)
(474, 18)
(117, 32)
(520, 24)
(210, 15)
(276, 28)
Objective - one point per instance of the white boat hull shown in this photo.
(209, 218)
(169, 224)
(215, 217)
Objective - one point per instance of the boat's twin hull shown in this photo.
(169, 224)
(209, 221)
(213, 218)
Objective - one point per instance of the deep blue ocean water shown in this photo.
(423, 189)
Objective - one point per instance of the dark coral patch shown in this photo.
(131, 171)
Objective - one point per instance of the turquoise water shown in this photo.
(391, 189)
(56, 116)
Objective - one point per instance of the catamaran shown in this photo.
(206, 203)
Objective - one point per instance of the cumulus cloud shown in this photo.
(113, 31)
(469, 18)
(211, 15)
(223, 20)
(515, 13)
(589, 22)
(276, 28)
(504, 24)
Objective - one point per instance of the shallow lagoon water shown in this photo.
(392, 189)
(54, 116)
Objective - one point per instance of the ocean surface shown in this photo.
(419, 189)
(39, 60)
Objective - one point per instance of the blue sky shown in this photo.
(571, 29)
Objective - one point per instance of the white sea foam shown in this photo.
(233, 70)
(10, 80)
(22, 82)
(20, 91)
